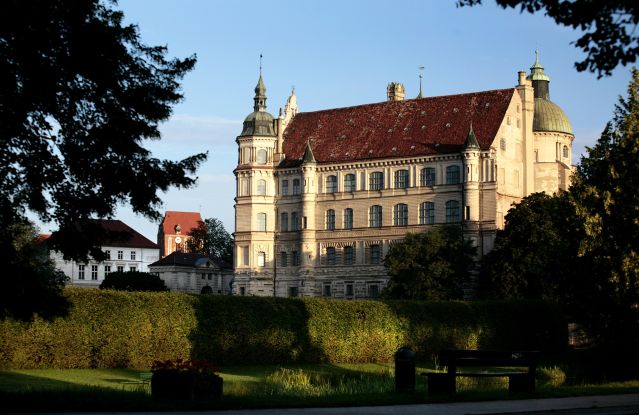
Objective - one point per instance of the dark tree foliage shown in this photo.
(607, 187)
(30, 282)
(79, 95)
(210, 238)
(610, 28)
(536, 254)
(133, 281)
(432, 265)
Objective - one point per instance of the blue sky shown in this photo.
(342, 53)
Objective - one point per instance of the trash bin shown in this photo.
(405, 370)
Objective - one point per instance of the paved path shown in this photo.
(599, 405)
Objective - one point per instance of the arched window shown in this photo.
(401, 179)
(375, 219)
(349, 183)
(349, 255)
(348, 218)
(284, 222)
(376, 181)
(261, 222)
(565, 151)
(427, 213)
(331, 184)
(400, 214)
(330, 219)
(261, 187)
(427, 176)
(452, 211)
(452, 175)
(330, 255)
(261, 156)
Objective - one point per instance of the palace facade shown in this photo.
(321, 196)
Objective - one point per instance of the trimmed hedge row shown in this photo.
(132, 329)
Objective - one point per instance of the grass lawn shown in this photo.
(251, 387)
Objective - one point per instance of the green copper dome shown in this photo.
(548, 116)
(259, 122)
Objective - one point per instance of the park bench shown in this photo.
(501, 363)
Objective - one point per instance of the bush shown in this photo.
(133, 281)
(133, 329)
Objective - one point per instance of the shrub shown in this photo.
(134, 329)
(133, 281)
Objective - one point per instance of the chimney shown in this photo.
(395, 91)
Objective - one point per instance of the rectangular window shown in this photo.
(296, 258)
(261, 259)
(373, 291)
(94, 272)
(348, 218)
(120, 254)
(203, 276)
(376, 254)
(401, 179)
(284, 222)
(132, 269)
(132, 255)
(283, 259)
(349, 255)
(467, 213)
(80, 272)
(349, 183)
(296, 186)
(245, 255)
(349, 290)
(305, 222)
(107, 253)
(327, 290)
(107, 270)
(120, 268)
(376, 181)
(452, 211)
(331, 184)
(242, 291)
(452, 175)
(375, 219)
(261, 222)
(284, 187)
(428, 176)
(330, 255)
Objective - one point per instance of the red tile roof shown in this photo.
(434, 125)
(186, 220)
(136, 239)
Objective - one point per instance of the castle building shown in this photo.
(321, 196)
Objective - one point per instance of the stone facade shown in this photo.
(322, 196)
(194, 273)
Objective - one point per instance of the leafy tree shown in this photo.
(432, 265)
(79, 95)
(210, 238)
(31, 284)
(133, 281)
(536, 254)
(610, 36)
(606, 186)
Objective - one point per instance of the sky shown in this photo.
(338, 54)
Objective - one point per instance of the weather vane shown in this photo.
(260, 64)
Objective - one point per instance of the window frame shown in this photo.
(350, 185)
(453, 174)
(348, 218)
(330, 220)
(428, 177)
(376, 180)
(402, 179)
(261, 222)
(427, 213)
(375, 217)
(400, 214)
(331, 184)
(453, 214)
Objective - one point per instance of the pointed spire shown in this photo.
(421, 70)
(308, 154)
(260, 95)
(471, 139)
(537, 70)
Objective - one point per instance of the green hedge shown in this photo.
(132, 329)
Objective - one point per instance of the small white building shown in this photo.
(194, 273)
(134, 254)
